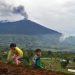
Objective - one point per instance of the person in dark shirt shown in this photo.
(36, 59)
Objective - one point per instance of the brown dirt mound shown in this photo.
(7, 69)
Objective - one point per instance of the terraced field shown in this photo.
(8, 69)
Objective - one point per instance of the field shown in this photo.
(7, 69)
(54, 62)
(51, 63)
(55, 65)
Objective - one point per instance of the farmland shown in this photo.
(50, 61)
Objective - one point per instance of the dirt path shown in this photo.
(6, 69)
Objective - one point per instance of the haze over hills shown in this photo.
(69, 41)
(31, 35)
(28, 34)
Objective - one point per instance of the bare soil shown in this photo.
(8, 69)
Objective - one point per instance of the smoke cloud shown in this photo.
(20, 10)
(64, 37)
(10, 12)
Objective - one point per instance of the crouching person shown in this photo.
(36, 59)
(15, 54)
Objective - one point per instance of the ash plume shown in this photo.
(20, 10)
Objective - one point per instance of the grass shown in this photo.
(54, 64)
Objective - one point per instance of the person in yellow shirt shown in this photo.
(15, 54)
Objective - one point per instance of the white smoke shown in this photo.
(64, 37)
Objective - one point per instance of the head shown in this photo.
(12, 46)
(38, 52)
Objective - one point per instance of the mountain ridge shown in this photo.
(25, 27)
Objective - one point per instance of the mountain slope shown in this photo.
(28, 34)
(25, 27)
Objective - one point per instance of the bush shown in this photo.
(73, 59)
(64, 63)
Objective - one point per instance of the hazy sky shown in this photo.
(55, 14)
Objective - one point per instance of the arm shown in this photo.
(19, 52)
(9, 55)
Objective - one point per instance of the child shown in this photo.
(15, 54)
(36, 59)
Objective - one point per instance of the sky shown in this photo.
(58, 15)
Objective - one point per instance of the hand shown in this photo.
(6, 61)
(42, 67)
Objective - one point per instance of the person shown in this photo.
(15, 54)
(36, 59)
